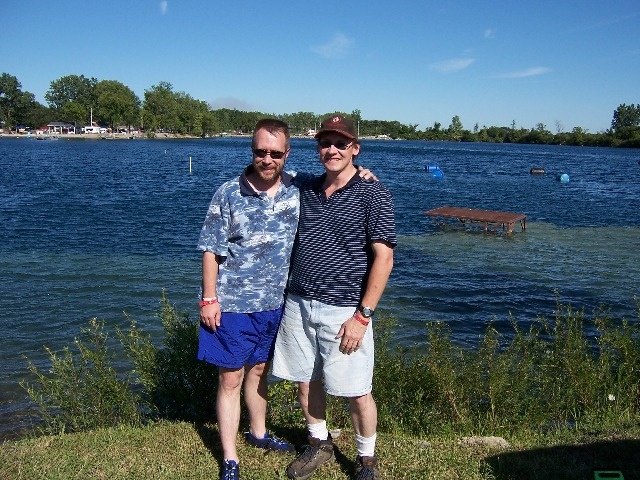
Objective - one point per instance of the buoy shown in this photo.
(434, 170)
(564, 178)
(537, 171)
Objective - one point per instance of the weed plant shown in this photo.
(565, 373)
(82, 390)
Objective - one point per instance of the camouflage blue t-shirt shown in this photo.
(254, 234)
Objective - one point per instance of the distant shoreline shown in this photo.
(95, 136)
(142, 136)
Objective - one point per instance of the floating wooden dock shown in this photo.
(489, 219)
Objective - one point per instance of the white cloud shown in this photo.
(530, 72)
(164, 6)
(338, 46)
(489, 33)
(453, 65)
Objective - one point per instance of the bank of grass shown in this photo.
(564, 394)
(181, 450)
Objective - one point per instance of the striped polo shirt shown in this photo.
(332, 254)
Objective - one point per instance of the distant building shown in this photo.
(60, 128)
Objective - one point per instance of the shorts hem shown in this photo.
(349, 394)
(291, 378)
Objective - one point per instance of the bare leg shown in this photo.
(228, 409)
(255, 397)
(313, 401)
(364, 415)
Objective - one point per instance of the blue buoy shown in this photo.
(564, 178)
(434, 170)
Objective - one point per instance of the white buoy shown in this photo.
(189, 165)
(564, 178)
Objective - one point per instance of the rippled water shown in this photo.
(97, 228)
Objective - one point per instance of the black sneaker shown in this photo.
(367, 468)
(270, 443)
(230, 470)
(315, 454)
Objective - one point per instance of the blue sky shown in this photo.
(561, 63)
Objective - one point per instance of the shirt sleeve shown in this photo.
(214, 236)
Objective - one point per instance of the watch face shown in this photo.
(366, 311)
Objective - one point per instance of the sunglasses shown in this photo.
(275, 154)
(340, 145)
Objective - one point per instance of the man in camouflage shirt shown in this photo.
(246, 242)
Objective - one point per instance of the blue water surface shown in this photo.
(99, 228)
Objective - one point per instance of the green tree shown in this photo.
(72, 88)
(301, 122)
(18, 107)
(577, 136)
(210, 124)
(74, 112)
(626, 125)
(35, 114)
(237, 120)
(455, 129)
(626, 116)
(10, 95)
(117, 104)
(190, 113)
(160, 108)
(356, 116)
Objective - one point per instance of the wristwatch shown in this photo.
(367, 312)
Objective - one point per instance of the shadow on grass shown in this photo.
(570, 461)
(211, 440)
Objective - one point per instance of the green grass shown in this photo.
(564, 394)
(180, 450)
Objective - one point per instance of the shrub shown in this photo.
(568, 372)
(176, 384)
(553, 376)
(83, 391)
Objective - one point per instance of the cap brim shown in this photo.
(341, 132)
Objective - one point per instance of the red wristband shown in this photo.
(210, 301)
(361, 320)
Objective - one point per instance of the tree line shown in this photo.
(76, 99)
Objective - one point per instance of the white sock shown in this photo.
(366, 445)
(318, 430)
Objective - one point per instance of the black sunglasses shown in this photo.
(261, 153)
(340, 145)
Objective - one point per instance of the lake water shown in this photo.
(97, 228)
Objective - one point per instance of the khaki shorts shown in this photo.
(307, 349)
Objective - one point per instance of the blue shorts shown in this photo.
(241, 339)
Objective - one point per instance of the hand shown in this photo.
(352, 332)
(366, 173)
(210, 316)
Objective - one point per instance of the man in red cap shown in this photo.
(343, 256)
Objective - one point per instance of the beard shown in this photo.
(269, 174)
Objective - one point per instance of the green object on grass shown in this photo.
(607, 474)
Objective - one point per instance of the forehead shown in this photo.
(264, 138)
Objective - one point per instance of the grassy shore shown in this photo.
(183, 450)
(556, 401)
